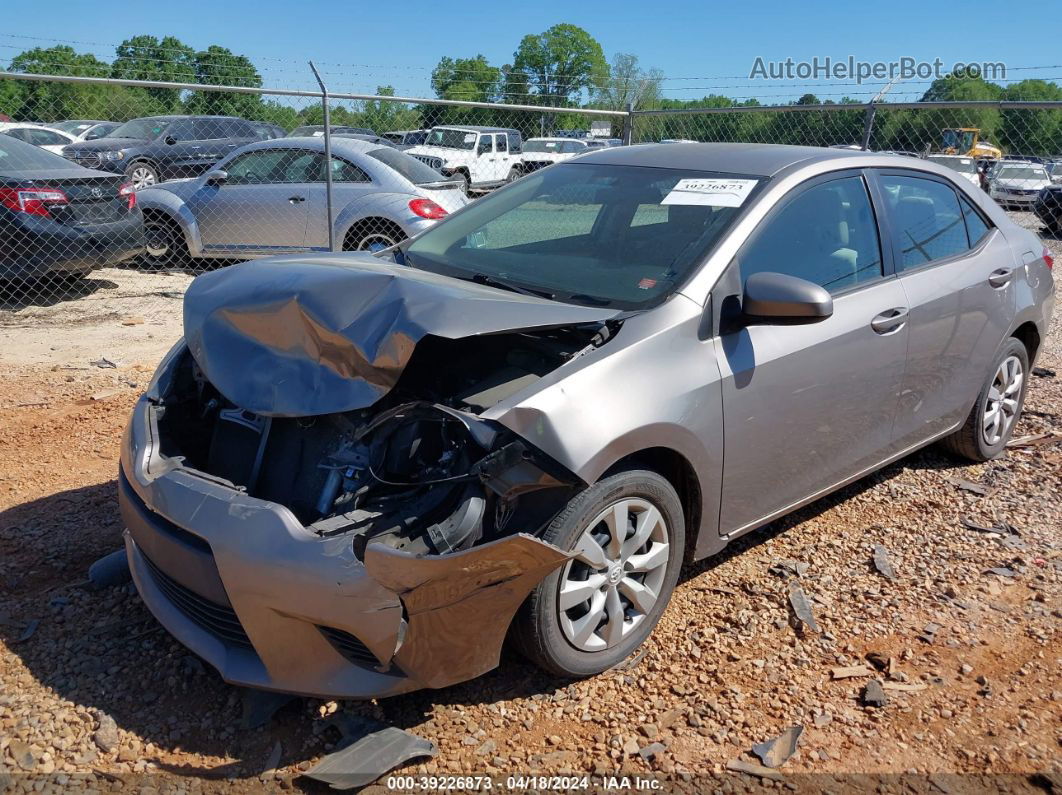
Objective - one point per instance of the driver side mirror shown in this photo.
(783, 298)
(216, 177)
(169, 140)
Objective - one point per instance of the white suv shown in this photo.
(541, 152)
(483, 157)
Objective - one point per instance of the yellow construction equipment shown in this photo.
(966, 141)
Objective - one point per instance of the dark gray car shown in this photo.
(356, 477)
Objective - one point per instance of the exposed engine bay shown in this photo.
(418, 470)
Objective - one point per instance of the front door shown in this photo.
(957, 271)
(808, 406)
(262, 206)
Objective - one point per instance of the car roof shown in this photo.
(473, 128)
(756, 159)
(558, 138)
(315, 143)
(175, 117)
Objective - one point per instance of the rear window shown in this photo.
(18, 155)
(409, 167)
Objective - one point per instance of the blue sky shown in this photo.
(364, 44)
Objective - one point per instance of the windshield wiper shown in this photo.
(491, 281)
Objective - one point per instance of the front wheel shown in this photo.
(991, 422)
(628, 535)
(142, 175)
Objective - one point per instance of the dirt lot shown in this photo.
(978, 693)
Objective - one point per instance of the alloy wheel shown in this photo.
(615, 579)
(142, 177)
(1001, 406)
(376, 242)
(160, 240)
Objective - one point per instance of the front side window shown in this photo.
(925, 218)
(142, 128)
(274, 166)
(594, 234)
(826, 234)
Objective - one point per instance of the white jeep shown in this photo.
(484, 157)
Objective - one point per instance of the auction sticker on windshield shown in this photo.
(711, 192)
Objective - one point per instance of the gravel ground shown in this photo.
(94, 694)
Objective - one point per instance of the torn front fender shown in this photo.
(459, 606)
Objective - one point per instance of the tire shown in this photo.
(142, 175)
(373, 235)
(165, 244)
(514, 174)
(557, 639)
(465, 183)
(977, 439)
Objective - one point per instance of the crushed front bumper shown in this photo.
(272, 605)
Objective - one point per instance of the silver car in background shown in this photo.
(1016, 183)
(269, 198)
(357, 475)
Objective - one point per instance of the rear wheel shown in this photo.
(142, 175)
(628, 536)
(374, 234)
(991, 421)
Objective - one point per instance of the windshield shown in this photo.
(603, 235)
(1021, 172)
(409, 167)
(452, 139)
(18, 156)
(964, 165)
(565, 147)
(148, 129)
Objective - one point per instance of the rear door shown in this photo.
(806, 407)
(957, 271)
(262, 206)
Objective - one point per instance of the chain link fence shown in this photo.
(116, 193)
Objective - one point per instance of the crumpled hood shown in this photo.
(300, 336)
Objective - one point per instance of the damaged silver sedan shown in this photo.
(358, 475)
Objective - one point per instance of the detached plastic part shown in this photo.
(110, 570)
(459, 606)
(374, 749)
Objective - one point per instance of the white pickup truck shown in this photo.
(484, 157)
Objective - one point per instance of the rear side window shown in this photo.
(926, 221)
(406, 165)
(976, 227)
(826, 234)
(514, 141)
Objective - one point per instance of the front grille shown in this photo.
(432, 162)
(354, 650)
(218, 620)
(86, 159)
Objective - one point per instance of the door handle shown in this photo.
(296, 199)
(890, 320)
(1001, 277)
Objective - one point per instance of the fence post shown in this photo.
(628, 125)
(328, 159)
(868, 126)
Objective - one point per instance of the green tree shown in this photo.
(1032, 132)
(555, 67)
(147, 58)
(626, 82)
(468, 79)
(46, 102)
(219, 66)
